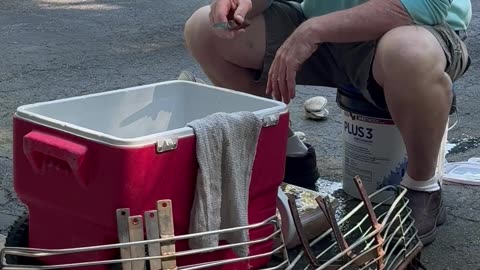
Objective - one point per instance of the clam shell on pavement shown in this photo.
(317, 115)
(315, 108)
(315, 104)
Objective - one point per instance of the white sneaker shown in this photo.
(301, 136)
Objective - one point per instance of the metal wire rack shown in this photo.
(380, 236)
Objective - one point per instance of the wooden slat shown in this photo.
(123, 236)
(152, 227)
(135, 226)
(165, 220)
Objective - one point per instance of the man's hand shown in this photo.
(288, 60)
(221, 11)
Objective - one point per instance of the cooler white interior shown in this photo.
(137, 115)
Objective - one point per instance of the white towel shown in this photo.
(226, 146)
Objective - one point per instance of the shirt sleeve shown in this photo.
(429, 12)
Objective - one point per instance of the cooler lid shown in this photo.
(141, 115)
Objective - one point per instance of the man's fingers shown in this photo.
(218, 15)
(269, 91)
(291, 74)
(220, 11)
(244, 6)
(282, 81)
(272, 84)
(277, 75)
(276, 89)
(272, 80)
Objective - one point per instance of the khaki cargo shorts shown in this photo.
(348, 65)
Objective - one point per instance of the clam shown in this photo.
(315, 108)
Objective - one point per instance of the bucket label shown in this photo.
(374, 150)
(359, 132)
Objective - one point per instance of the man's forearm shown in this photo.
(368, 21)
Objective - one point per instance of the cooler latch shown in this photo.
(270, 120)
(166, 144)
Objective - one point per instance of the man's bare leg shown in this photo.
(410, 65)
(220, 58)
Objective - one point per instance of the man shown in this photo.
(403, 55)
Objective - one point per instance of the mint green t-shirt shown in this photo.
(457, 13)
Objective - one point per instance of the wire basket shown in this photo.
(370, 236)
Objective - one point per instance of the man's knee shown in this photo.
(197, 30)
(410, 51)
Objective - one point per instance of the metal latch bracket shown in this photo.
(166, 144)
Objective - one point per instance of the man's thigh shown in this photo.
(456, 55)
(456, 52)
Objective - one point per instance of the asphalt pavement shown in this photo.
(52, 49)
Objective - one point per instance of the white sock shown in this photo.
(295, 147)
(430, 185)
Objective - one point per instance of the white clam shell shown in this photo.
(317, 115)
(315, 104)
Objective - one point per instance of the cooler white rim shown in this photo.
(100, 137)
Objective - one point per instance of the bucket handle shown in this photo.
(47, 152)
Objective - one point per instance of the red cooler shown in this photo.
(77, 160)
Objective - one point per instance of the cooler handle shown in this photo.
(42, 150)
